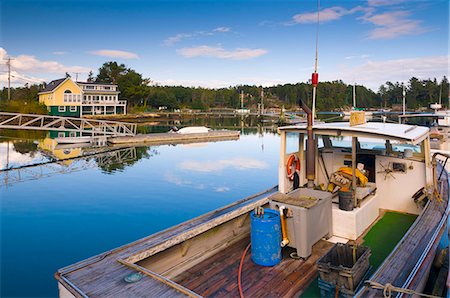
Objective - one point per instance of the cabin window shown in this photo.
(400, 147)
(72, 134)
(67, 91)
(73, 108)
(61, 134)
(61, 109)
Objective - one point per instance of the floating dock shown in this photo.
(177, 138)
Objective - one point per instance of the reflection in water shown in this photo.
(110, 196)
(75, 161)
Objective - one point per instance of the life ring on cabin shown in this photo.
(291, 160)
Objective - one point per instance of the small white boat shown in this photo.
(73, 140)
(193, 129)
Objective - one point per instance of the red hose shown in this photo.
(241, 293)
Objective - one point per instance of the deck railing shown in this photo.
(104, 102)
(44, 122)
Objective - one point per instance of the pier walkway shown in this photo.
(70, 124)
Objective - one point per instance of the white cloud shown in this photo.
(16, 159)
(384, 2)
(60, 53)
(24, 65)
(374, 73)
(177, 38)
(180, 36)
(115, 54)
(363, 56)
(222, 189)
(222, 29)
(393, 24)
(325, 15)
(219, 165)
(221, 53)
(171, 178)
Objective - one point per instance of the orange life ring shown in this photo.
(291, 160)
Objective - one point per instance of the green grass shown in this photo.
(382, 238)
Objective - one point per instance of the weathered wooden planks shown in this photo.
(175, 138)
(217, 276)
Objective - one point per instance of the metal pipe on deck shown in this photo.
(310, 147)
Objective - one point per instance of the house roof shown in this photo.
(53, 85)
(410, 133)
(95, 83)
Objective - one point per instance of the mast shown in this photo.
(242, 100)
(404, 100)
(262, 100)
(354, 96)
(315, 75)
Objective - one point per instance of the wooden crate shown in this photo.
(337, 266)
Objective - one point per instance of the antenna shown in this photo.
(315, 75)
(76, 76)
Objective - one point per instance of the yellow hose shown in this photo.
(285, 240)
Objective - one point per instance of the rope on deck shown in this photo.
(389, 288)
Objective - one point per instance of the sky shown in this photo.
(222, 43)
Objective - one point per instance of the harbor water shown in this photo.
(58, 213)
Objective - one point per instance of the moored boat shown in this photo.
(74, 140)
(201, 257)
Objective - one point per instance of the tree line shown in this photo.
(141, 94)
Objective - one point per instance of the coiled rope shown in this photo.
(389, 288)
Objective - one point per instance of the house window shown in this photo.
(61, 134)
(61, 109)
(67, 91)
(107, 88)
(73, 108)
(72, 134)
(90, 87)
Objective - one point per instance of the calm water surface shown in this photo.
(56, 214)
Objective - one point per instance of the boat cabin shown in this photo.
(388, 155)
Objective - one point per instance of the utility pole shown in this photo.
(9, 78)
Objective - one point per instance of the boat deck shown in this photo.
(217, 276)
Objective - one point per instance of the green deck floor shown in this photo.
(381, 239)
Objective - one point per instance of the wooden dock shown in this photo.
(177, 138)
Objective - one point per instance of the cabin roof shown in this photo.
(403, 132)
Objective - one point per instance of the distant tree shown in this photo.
(90, 77)
(110, 72)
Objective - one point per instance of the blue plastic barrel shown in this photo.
(266, 237)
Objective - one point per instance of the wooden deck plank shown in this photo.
(283, 280)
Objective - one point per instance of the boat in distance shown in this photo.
(74, 140)
(333, 187)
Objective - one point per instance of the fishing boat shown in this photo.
(383, 166)
(193, 129)
(438, 122)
